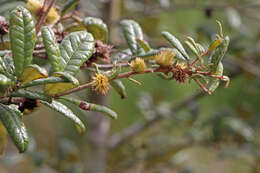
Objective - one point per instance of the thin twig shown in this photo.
(43, 16)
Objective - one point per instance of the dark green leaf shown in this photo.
(52, 49)
(22, 36)
(119, 87)
(44, 81)
(15, 127)
(31, 95)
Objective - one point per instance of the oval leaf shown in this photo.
(97, 28)
(76, 49)
(15, 127)
(119, 87)
(132, 31)
(22, 36)
(4, 81)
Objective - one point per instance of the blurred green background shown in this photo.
(222, 129)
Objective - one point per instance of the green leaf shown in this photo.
(132, 31)
(22, 36)
(4, 81)
(119, 87)
(70, 4)
(214, 83)
(97, 28)
(91, 107)
(76, 49)
(175, 43)
(44, 81)
(33, 72)
(52, 49)
(64, 110)
(217, 55)
(31, 95)
(15, 127)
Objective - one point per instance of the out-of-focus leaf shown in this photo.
(52, 49)
(70, 4)
(175, 43)
(119, 87)
(214, 83)
(31, 95)
(64, 110)
(33, 72)
(15, 127)
(22, 37)
(233, 18)
(97, 28)
(55, 88)
(4, 81)
(192, 48)
(3, 138)
(92, 107)
(217, 55)
(132, 31)
(144, 44)
(76, 49)
(215, 44)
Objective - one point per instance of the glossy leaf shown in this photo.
(22, 37)
(119, 87)
(3, 138)
(44, 81)
(97, 28)
(33, 72)
(76, 49)
(15, 127)
(175, 43)
(55, 88)
(31, 95)
(132, 31)
(52, 49)
(92, 107)
(64, 110)
(70, 4)
(4, 81)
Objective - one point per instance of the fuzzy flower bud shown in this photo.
(138, 65)
(165, 58)
(101, 83)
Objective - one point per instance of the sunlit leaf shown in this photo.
(33, 72)
(4, 81)
(3, 138)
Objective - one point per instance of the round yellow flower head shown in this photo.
(138, 65)
(165, 58)
(101, 83)
(34, 6)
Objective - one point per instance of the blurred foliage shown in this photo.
(217, 133)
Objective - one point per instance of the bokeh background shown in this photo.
(195, 133)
